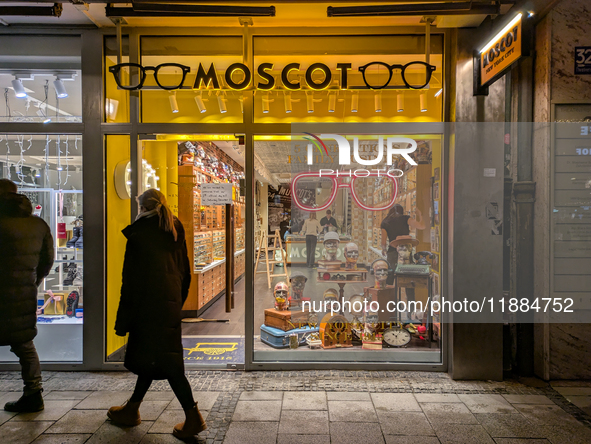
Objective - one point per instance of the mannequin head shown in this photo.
(280, 294)
(380, 269)
(404, 253)
(331, 246)
(351, 254)
(298, 282)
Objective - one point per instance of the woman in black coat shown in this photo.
(156, 278)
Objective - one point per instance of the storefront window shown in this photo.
(207, 101)
(367, 238)
(48, 170)
(40, 79)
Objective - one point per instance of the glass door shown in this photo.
(187, 169)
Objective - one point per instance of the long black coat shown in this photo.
(26, 256)
(156, 278)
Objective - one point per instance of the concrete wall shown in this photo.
(475, 255)
(561, 350)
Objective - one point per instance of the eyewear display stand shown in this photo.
(342, 277)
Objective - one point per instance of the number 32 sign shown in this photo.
(582, 60)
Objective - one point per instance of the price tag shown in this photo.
(216, 193)
(583, 60)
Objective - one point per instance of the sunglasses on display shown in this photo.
(419, 72)
(337, 182)
(173, 83)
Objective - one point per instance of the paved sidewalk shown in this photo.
(319, 407)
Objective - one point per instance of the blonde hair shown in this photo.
(155, 200)
(312, 215)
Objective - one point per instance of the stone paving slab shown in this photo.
(512, 425)
(257, 411)
(79, 421)
(405, 423)
(351, 433)
(395, 402)
(252, 433)
(462, 434)
(110, 433)
(303, 422)
(359, 411)
(22, 432)
(53, 411)
(304, 401)
(448, 413)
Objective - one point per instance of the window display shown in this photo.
(374, 273)
(47, 170)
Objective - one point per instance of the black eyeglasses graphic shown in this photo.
(174, 81)
(419, 79)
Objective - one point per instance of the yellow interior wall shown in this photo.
(164, 159)
(117, 218)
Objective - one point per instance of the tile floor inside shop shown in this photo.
(319, 407)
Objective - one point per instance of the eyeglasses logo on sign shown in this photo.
(329, 181)
(171, 76)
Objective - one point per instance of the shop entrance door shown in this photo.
(202, 178)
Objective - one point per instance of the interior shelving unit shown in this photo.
(206, 240)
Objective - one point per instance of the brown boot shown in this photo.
(194, 424)
(126, 415)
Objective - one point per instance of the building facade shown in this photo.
(185, 103)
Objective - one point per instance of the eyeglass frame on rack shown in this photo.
(338, 185)
(430, 70)
(116, 69)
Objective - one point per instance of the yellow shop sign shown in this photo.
(501, 52)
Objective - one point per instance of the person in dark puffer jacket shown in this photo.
(26, 257)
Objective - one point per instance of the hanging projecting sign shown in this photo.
(498, 55)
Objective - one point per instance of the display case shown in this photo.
(239, 240)
(219, 245)
(203, 251)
